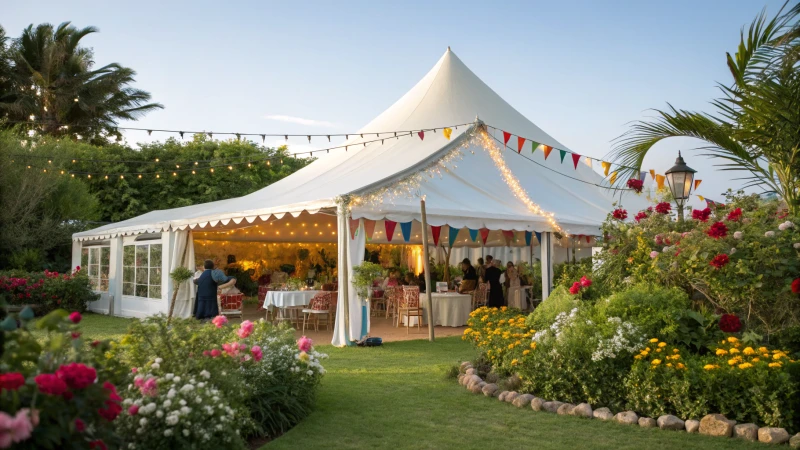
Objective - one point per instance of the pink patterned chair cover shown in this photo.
(410, 297)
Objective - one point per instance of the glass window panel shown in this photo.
(141, 256)
(127, 274)
(155, 291)
(141, 290)
(84, 257)
(94, 255)
(127, 288)
(141, 276)
(155, 276)
(128, 255)
(105, 256)
(155, 255)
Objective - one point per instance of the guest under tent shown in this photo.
(447, 141)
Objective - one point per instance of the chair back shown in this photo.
(410, 297)
(321, 301)
(231, 301)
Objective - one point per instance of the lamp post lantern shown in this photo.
(680, 178)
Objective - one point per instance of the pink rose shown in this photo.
(75, 317)
(245, 329)
(149, 388)
(215, 352)
(653, 254)
(256, 352)
(133, 410)
(134, 370)
(304, 344)
(15, 429)
(219, 321)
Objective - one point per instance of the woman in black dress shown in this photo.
(492, 276)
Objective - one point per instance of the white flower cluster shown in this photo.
(281, 357)
(561, 321)
(785, 225)
(627, 337)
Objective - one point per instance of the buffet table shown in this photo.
(449, 310)
(285, 299)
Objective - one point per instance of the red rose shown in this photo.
(636, 185)
(730, 323)
(796, 286)
(113, 405)
(98, 444)
(640, 215)
(576, 287)
(77, 375)
(75, 317)
(663, 208)
(735, 215)
(620, 214)
(701, 214)
(80, 426)
(51, 384)
(11, 381)
(719, 261)
(585, 282)
(718, 230)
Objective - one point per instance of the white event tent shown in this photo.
(381, 181)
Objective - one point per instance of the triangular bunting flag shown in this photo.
(405, 227)
(484, 235)
(606, 166)
(446, 132)
(697, 184)
(508, 235)
(353, 228)
(473, 234)
(390, 226)
(562, 153)
(538, 237)
(613, 178)
(588, 161)
(660, 181)
(702, 199)
(528, 237)
(506, 137)
(421, 135)
(435, 231)
(652, 174)
(452, 236)
(520, 143)
(534, 146)
(369, 228)
(642, 175)
(547, 149)
(575, 158)
(588, 239)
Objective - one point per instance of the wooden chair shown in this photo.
(319, 306)
(230, 304)
(377, 301)
(480, 295)
(393, 296)
(409, 307)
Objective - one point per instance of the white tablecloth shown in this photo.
(449, 310)
(283, 299)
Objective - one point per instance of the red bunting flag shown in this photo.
(435, 233)
(484, 235)
(506, 137)
(369, 228)
(588, 239)
(547, 149)
(353, 228)
(421, 135)
(575, 158)
(390, 226)
(520, 143)
(509, 235)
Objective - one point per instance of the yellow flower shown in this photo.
(675, 350)
(732, 339)
(514, 362)
(735, 361)
(533, 345)
(734, 350)
(763, 349)
(669, 364)
(721, 351)
(654, 340)
(775, 364)
(778, 356)
(510, 346)
(656, 362)
(662, 344)
(658, 350)
(504, 308)
(637, 357)
(745, 366)
(680, 366)
(525, 352)
(710, 367)
(468, 331)
(647, 349)
(749, 351)
(756, 359)
(502, 321)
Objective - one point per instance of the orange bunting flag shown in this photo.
(353, 228)
(575, 158)
(547, 149)
(697, 184)
(652, 174)
(613, 178)
(506, 137)
(446, 132)
(660, 181)
(369, 228)
(520, 143)
(606, 167)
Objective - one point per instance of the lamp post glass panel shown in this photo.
(680, 178)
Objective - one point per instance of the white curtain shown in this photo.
(184, 302)
(359, 316)
(347, 294)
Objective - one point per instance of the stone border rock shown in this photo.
(711, 424)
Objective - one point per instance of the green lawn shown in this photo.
(396, 396)
(98, 326)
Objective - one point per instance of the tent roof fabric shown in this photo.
(473, 194)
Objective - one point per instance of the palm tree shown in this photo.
(756, 128)
(54, 85)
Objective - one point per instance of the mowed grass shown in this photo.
(99, 327)
(396, 396)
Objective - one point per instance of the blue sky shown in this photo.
(581, 70)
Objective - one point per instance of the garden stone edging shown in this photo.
(627, 418)
(522, 400)
(647, 422)
(670, 422)
(692, 426)
(565, 409)
(582, 410)
(773, 435)
(536, 404)
(489, 390)
(716, 425)
(603, 414)
(794, 442)
(552, 406)
(747, 431)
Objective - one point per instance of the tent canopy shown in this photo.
(472, 194)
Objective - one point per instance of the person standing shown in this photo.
(209, 283)
(481, 271)
(470, 280)
(492, 276)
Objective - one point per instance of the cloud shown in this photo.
(300, 120)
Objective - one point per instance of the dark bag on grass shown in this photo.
(373, 342)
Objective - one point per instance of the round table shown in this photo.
(449, 310)
(284, 299)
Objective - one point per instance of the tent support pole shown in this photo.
(547, 263)
(426, 264)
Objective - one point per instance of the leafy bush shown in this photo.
(559, 301)
(652, 307)
(47, 291)
(57, 388)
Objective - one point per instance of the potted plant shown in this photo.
(363, 275)
(179, 276)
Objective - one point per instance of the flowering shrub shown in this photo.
(636, 185)
(47, 290)
(55, 391)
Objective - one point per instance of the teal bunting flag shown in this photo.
(563, 154)
(452, 236)
(528, 237)
(538, 236)
(473, 234)
(406, 229)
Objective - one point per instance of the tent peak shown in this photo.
(448, 48)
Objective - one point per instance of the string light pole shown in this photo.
(680, 178)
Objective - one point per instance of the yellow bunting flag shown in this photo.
(588, 162)
(606, 167)
(446, 132)
(702, 199)
(697, 184)
(660, 181)
(613, 178)
(653, 174)
(547, 149)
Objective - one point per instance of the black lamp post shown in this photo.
(680, 178)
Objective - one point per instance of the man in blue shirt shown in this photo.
(209, 283)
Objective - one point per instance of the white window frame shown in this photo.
(96, 251)
(153, 290)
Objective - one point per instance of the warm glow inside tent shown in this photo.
(380, 180)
